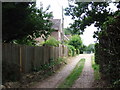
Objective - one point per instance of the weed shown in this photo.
(68, 82)
(96, 69)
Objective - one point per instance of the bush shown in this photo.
(97, 53)
(51, 65)
(77, 51)
(52, 42)
(72, 50)
(76, 42)
(107, 51)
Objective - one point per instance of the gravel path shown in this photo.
(55, 80)
(86, 78)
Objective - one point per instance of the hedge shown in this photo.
(107, 52)
(72, 50)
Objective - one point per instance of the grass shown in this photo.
(69, 81)
(96, 69)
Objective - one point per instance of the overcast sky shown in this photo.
(56, 8)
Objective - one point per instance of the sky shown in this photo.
(56, 8)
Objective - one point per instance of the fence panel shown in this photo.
(6, 53)
(51, 53)
(45, 51)
(55, 54)
(30, 57)
(23, 58)
(38, 57)
(15, 52)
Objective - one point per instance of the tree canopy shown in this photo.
(22, 20)
(86, 13)
(70, 31)
(76, 42)
(107, 50)
(90, 48)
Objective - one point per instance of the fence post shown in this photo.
(20, 60)
(28, 57)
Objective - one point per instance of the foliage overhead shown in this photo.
(86, 13)
(70, 31)
(66, 31)
(107, 51)
(23, 20)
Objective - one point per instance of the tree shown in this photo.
(107, 51)
(51, 42)
(24, 22)
(66, 31)
(70, 31)
(84, 48)
(87, 13)
(90, 48)
(76, 42)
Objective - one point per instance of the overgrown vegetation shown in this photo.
(11, 72)
(50, 66)
(96, 69)
(51, 42)
(72, 50)
(108, 50)
(68, 82)
(90, 48)
(22, 22)
(107, 21)
(86, 13)
(76, 42)
(75, 45)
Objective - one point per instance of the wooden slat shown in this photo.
(30, 57)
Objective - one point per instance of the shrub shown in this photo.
(52, 42)
(49, 66)
(76, 42)
(72, 50)
(97, 53)
(77, 51)
(107, 51)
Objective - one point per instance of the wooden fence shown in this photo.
(29, 57)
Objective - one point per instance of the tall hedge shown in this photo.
(107, 51)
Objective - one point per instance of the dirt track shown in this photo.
(86, 78)
(55, 80)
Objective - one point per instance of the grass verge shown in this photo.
(68, 82)
(96, 69)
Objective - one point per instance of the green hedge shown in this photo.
(72, 50)
(51, 42)
(107, 51)
(77, 51)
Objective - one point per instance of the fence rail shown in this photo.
(29, 57)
